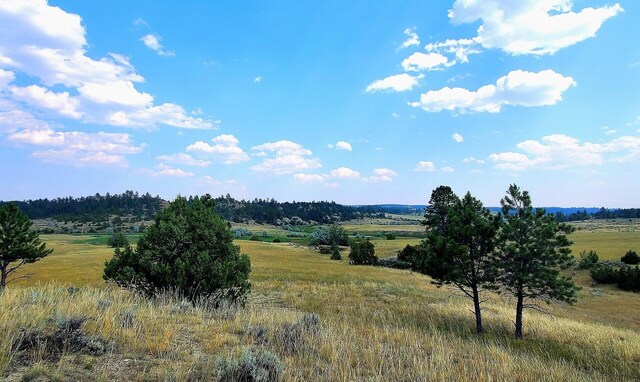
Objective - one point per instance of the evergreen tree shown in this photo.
(19, 244)
(189, 249)
(535, 250)
(459, 247)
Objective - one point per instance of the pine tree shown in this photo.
(535, 250)
(19, 244)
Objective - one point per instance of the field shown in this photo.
(376, 324)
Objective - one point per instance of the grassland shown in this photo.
(377, 324)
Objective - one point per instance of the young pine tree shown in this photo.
(534, 252)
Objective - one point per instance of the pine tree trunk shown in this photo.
(3, 276)
(477, 311)
(519, 307)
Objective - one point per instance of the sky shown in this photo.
(360, 102)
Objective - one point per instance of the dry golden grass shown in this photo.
(376, 325)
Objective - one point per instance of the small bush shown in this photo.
(118, 240)
(293, 337)
(254, 238)
(587, 259)
(390, 236)
(629, 278)
(604, 274)
(362, 253)
(407, 253)
(335, 253)
(241, 232)
(277, 240)
(631, 258)
(253, 366)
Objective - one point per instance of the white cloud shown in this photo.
(140, 21)
(560, 151)
(285, 157)
(344, 173)
(457, 137)
(152, 41)
(461, 48)
(309, 178)
(419, 61)
(518, 88)
(530, 26)
(412, 38)
(182, 158)
(398, 83)
(164, 170)
(447, 169)
(257, 79)
(473, 160)
(225, 148)
(425, 166)
(342, 145)
(67, 147)
(38, 97)
(48, 45)
(382, 175)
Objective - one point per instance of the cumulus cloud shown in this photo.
(67, 147)
(473, 160)
(412, 38)
(344, 173)
(164, 170)
(447, 169)
(284, 157)
(152, 41)
(530, 26)
(225, 148)
(382, 175)
(342, 145)
(518, 88)
(397, 83)
(185, 159)
(425, 166)
(559, 151)
(457, 137)
(419, 61)
(461, 49)
(48, 45)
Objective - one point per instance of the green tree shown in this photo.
(118, 240)
(631, 257)
(362, 252)
(19, 244)
(459, 249)
(189, 249)
(335, 252)
(534, 252)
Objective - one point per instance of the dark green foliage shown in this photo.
(587, 259)
(19, 244)
(459, 247)
(534, 251)
(253, 366)
(335, 252)
(390, 236)
(408, 253)
(362, 252)
(631, 257)
(277, 240)
(604, 274)
(629, 278)
(189, 250)
(118, 240)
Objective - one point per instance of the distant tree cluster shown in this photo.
(602, 213)
(93, 208)
(520, 251)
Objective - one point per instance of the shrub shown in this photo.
(277, 240)
(334, 235)
(118, 240)
(241, 232)
(390, 236)
(188, 250)
(293, 337)
(587, 259)
(604, 274)
(629, 278)
(407, 253)
(362, 253)
(335, 253)
(254, 238)
(631, 257)
(253, 366)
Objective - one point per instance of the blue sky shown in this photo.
(357, 102)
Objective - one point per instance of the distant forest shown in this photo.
(140, 207)
(98, 208)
